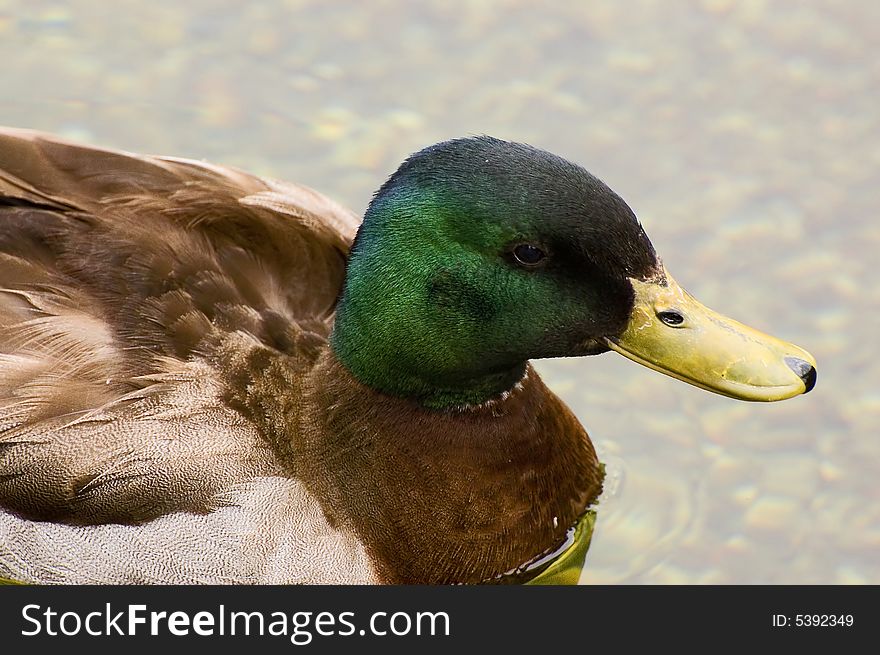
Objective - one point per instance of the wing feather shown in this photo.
(121, 277)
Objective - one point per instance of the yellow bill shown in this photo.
(671, 332)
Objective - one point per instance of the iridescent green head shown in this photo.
(480, 254)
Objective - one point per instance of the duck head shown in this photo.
(480, 254)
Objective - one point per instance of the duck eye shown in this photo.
(527, 254)
(671, 318)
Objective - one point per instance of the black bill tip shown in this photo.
(805, 371)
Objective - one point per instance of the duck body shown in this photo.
(206, 378)
(170, 411)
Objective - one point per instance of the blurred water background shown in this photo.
(745, 135)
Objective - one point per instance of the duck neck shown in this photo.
(416, 322)
(412, 357)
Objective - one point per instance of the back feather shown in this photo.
(122, 280)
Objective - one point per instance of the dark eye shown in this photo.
(671, 317)
(527, 254)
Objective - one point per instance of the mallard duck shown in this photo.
(209, 377)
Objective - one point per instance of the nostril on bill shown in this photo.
(804, 370)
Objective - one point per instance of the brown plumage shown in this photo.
(164, 364)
